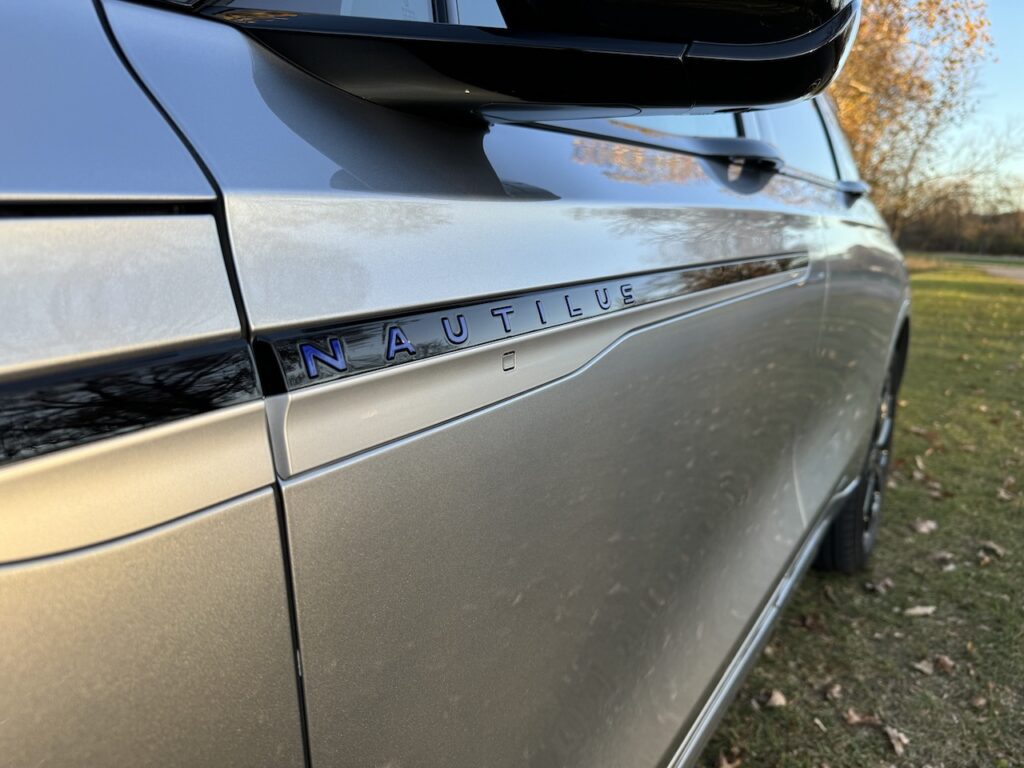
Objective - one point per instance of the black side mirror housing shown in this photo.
(559, 59)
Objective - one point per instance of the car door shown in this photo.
(142, 589)
(533, 394)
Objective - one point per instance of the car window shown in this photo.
(476, 13)
(799, 134)
(840, 146)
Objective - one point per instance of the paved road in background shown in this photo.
(1011, 272)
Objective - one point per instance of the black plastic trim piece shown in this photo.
(69, 208)
(78, 406)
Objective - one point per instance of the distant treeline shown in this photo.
(945, 230)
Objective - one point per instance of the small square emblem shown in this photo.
(508, 361)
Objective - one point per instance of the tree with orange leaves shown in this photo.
(909, 79)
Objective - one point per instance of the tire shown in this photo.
(851, 539)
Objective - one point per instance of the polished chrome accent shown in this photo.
(82, 496)
(90, 289)
(316, 425)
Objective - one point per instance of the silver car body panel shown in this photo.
(166, 648)
(323, 423)
(67, 500)
(353, 209)
(565, 562)
(75, 126)
(85, 290)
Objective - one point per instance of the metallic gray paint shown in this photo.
(558, 576)
(315, 426)
(75, 126)
(554, 580)
(168, 648)
(76, 290)
(101, 491)
(746, 655)
(356, 210)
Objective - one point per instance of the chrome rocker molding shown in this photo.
(750, 648)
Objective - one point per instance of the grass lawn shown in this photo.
(844, 645)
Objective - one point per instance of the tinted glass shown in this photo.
(799, 134)
(476, 13)
(844, 154)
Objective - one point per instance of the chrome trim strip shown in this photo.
(750, 649)
(110, 488)
(315, 426)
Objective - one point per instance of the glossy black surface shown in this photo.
(722, 21)
(528, 72)
(331, 353)
(39, 416)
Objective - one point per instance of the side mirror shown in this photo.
(558, 59)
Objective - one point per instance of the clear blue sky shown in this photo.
(1000, 88)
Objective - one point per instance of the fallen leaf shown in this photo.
(943, 557)
(979, 702)
(820, 725)
(898, 740)
(924, 667)
(948, 567)
(725, 762)
(945, 664)
(880, 587)
(853, 717)
(776, 699)
(919, 610)
(919, 462)
(926, 526)
(1004, 495)
(834, 692)
(995, 549)
(830, 594)
(970, 647)
(983, 559)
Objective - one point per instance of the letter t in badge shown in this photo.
(504, 312)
